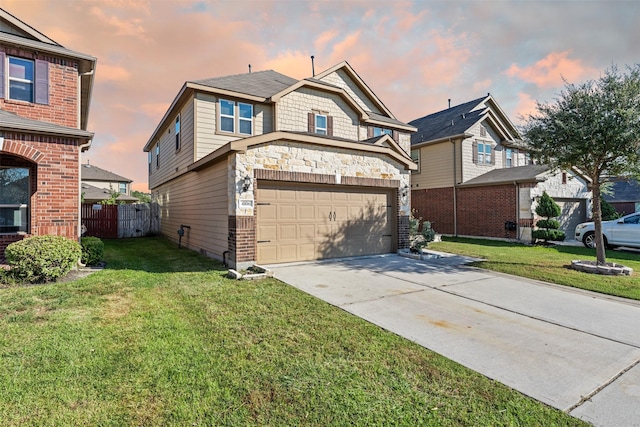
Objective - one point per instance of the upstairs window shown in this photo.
(178, 140)
(482, 153)
(14, 200)
(157, 155)
(21, 79)
(122, 187)
(236, 116)
(508, 157)
(149, 160)
(382, 131)
(24, 79)
(321, 124)
(415, 156)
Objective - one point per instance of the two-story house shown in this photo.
(45, 91)
(475, 177)
(100, 184)
(265, 168)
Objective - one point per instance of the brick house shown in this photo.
(265, 168)
(475, 177)
(45, 90)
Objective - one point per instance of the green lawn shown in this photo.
(161, 337)
(548, 263)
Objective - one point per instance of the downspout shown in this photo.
(455, 195)
(517, 187)
(82, 147)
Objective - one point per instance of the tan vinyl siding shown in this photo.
(294, 107)
(200, 201)
(342, 80)
(436, 167)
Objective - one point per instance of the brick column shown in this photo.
(242, 240)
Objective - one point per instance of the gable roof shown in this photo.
(456, 122)
(263, 84)
(90, 172)
(92, 193)
(12, 122)
(14, 32)
(519, 174)
(269, 86)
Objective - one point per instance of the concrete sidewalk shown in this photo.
(574, 350)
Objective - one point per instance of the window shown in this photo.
(321, 124)
(122, 187)
(382, 131)
(178, 142)
(14, 200)
(227, 117)
(482, 153)
(245, 118)
(415, 156)
(228, 113)
(508, 157)
(157, 155)
(149, 159)
(21, 79)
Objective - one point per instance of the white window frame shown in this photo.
(177, 129)
(122, 187)
(484, 153)
(157, 155)
(321, 130)
(508, 157)
(23, 208)
(416, 159)
(378, 131)
(236, 119)
(31, 82)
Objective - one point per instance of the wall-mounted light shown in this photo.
(246, 183)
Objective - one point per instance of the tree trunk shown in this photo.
(597, 220)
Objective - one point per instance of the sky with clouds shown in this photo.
(415, 55)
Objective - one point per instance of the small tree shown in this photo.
(549, 227)
(419, 240)
(608, 211)
(595, 127)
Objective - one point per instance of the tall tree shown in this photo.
(593, 126)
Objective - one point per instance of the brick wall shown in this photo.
(435, 205)
(242, 239)
(483, 211)
(53, 164)
(63, 91)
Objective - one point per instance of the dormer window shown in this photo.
(382, 131)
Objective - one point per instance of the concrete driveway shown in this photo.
(574, 350)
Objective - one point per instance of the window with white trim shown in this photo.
(157, 155)
(484, 153)
(382, 131)
(508, 157)
(149, 160)
(14, 200)
(415, 156)
(321, 124)
(236, 117)
(21, 79)
(178, 139)
(122, 187)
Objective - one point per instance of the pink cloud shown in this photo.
(526, 106)
(550, 70)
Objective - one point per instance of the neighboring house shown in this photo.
(475, 177)
(266, 168)
(624, 195)
(45, 91)
(99, 184)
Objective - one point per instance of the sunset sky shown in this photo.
(414, 55)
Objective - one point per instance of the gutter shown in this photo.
(83, 147)
(455, 193)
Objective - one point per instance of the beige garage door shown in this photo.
(307, 222)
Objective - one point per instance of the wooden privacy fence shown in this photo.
(120, 221)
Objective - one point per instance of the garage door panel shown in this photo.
(321, 221)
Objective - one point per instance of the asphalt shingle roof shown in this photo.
(528, 173)
(94, 173)
(624, 191)
(92, 193)
(260, 83)
(450, 122)
(9, 120)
